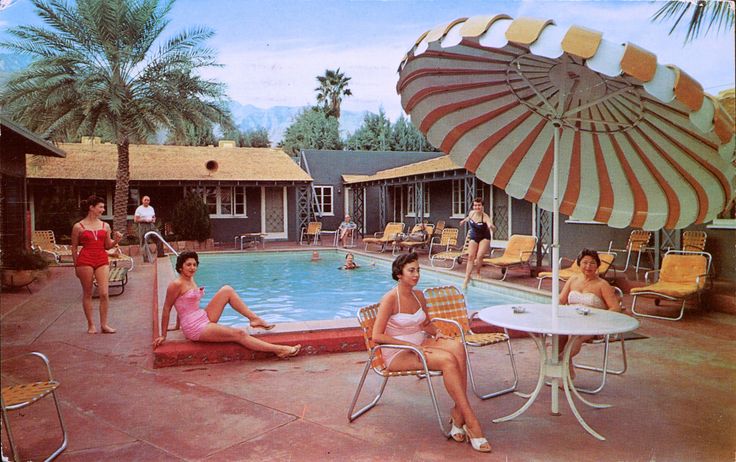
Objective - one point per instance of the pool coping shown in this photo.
(316, 337)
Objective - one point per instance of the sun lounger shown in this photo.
(401, 244)
(517, 253)
(44, 242)
(447, 241)
(386, 237)
(117, 278)
(566, 273)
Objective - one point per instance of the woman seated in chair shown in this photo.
(402, 320)
(587, 289)
(201, 325)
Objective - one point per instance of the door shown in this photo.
(274, 220)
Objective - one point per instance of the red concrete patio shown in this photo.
(675, 403)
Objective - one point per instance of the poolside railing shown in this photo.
(160, 238)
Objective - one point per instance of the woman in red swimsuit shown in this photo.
(94, 236)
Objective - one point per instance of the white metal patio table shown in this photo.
(538, 321)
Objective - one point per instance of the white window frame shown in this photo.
(458, 199)
(219, 190)
(410, 209)
(319, 191)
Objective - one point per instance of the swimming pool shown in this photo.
(289, 287)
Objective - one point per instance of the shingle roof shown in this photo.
(438, 164)
(157, 162)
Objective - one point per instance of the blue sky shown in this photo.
(273, 50)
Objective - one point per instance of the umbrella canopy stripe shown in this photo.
(641, 144)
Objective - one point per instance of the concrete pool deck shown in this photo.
(675, 402)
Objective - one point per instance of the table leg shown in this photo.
(539, 341)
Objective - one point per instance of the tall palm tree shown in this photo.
(709, 13)
(332, 87)
(102, 64)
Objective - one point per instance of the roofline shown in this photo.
(45, 147)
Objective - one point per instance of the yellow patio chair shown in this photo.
(311, 233)
(682, 276)
(566, 273)
(15, 397)
(366, 318)
(638, 242)
(44, 242)
(605, 367)
(518, 252)
(400, 245)
(694, 241)
(386, 237)
(446, 244)
(446, 307)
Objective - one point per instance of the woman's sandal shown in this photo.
(479, 444)
(457, 433)
(295, 351)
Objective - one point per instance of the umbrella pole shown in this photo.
(555, 224)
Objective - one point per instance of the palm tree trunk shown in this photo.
(122, 179)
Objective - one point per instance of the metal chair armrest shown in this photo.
(493, 250)
(393, 346)
(646, 275)
(453, 322)
(41, 356)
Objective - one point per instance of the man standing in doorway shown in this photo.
(145, 216)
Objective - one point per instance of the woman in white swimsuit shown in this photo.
(590, 290)
(402, 320)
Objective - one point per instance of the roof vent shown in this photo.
(212, 166)
(226, 144)
(91, 140)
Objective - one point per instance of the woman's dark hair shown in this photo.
(91, 201)
(402, 260)
(183, 257)
(589, 253)
(479, 200)
(349, 255)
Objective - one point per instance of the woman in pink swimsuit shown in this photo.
(91, 263)
(402, 320)
(590, 290)
(200, 325)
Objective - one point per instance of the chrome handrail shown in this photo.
(160, 238)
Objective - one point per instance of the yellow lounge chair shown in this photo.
(366, 318)
(311, 233)
(447, 309)
(447, 241)
(44, 242)
(518, 252)
(386, 237)
(682, 276)
(566, 273)
(399, 246)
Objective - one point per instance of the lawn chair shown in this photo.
(518, 252)
(118, 259)
(399, 246)
(311, 233)
(566, 273)
(682, 276)
(605, 368)
(385, 238)
(638, 242)
(366, 318)
(15, 397)
(117, 278)
(446, 307)
(44, 242)
(444, 247)
(694, 241)
(438, 228)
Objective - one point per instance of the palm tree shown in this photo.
(101, 64)
(332, 87)
(717, 13)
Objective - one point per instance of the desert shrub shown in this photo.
(191, 219)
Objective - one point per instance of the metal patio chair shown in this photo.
(310, 234)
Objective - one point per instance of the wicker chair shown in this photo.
(446, 307)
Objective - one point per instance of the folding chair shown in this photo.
(638, 242)
(604, 368)
(15, 397)
(311, 233)
(607, 259)
(518, 252)
(44, 242)
(682, 276)
(366, 318)
(694, 241)
(446, 307)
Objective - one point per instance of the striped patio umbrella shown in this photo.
(636, 143)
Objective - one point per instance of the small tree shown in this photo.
(191, 219)
(373, 135)
(312, 129)
(257, 138)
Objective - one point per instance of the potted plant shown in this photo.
(20, 268)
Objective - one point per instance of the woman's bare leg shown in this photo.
(218, 333)
(483, 247)
(226, 295)
(102, 274)
(85, 275)
(472, 253)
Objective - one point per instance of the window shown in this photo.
(223, 201)
(134, 200)
(410, 201)
(324, 196)
(458, 199)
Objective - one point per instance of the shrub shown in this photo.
(191, 219)
(22, 260)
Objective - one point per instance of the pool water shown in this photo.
(288, 286)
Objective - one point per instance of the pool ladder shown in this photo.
(160, 238)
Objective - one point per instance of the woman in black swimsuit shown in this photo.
(480, 238)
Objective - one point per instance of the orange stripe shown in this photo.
(541, 177)
(437, 72)
(479, 153)
(429, 91)
(512, 163)
(445, 56)
(572, 191)
(685, 115)
(641, 204)
(605, 199)
(442, 111)
(673, 213)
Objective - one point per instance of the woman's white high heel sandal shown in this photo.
(479, 444)
(457, 433)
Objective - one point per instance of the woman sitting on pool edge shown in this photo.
(589, 289)
(350, 262)
(402, 319)
(201, 325)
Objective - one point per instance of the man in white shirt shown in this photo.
(145, 216)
